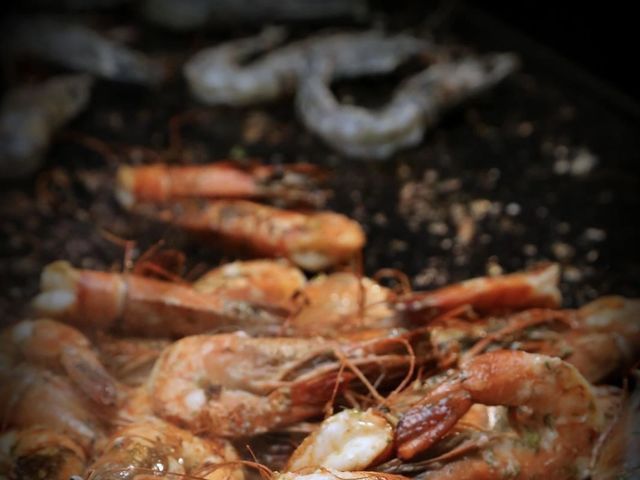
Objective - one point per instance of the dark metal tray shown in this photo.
(545, 167)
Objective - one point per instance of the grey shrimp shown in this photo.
(216, 76)
(30, 115)
(361, 133)
(77, 47)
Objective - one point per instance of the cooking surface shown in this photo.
(541, 168)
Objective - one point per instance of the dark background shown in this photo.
(602, 37)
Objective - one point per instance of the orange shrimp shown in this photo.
(38, 453)
(234, 385)
(342, 302)
(161, 183)
(136, 305)
(535, 288)
(129, 359)
(313, 241)
(153, 448)
(62, 349)
(32, 396)
(263, 282)
(529, 415)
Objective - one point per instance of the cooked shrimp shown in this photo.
(63, 349)
(161, 183)
(158, 448)
(313, 241)
(342, 302)
(136, 305)
(416, 105)
(535, 288)
(32, 396)
(40, 454)
(349, 440)
(600, 339)
(263, 282)
(30, 115)
(79, 48)
(606, 339)
(215, 75)
(555, 420)
(331, 474)
(191, 14)
(129, 359)
(618, 456)
(234, 385)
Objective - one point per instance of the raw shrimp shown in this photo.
(161, 182)
(192, 14)
(62, 349)
(40, 454)
(254, 281)
(157, 448)
(136, 305)
(79, 48)
(30, 115)
(33, 396)
(342, 302)
(216, 76)
(416, 105)
(313, 241)
(234, 385)
(534, 288)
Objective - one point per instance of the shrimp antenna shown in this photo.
(328, 408)
(361, 376)
(412, 366)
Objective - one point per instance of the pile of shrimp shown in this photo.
(294, 366)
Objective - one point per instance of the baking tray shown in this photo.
(544, 167)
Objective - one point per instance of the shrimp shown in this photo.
(63, 349)
(554, 423)
(30, 115)
(161, 183)
(38, 453)
(136, 305)
(253, 281)
(191, 14)
(528, 415)
(342, 302)
(415, 105)
(313, 241)
(332, 474)
(129, 359)
(534, 288)
(600, 339)
(33, 396)
(234, 385)
(618, 456)
(215, 75)
(79, 48)
(155, 448)
(606, 339)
